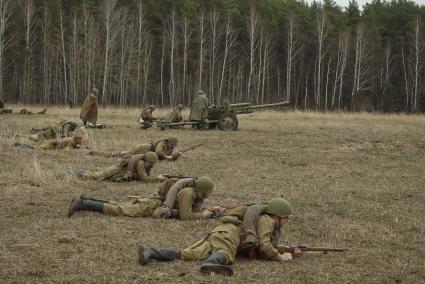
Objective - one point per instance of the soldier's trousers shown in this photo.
(103, 174)
(47, 133)
(144, 207)
(224, 238)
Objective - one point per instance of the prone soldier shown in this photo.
(65, 129)
(186, 206)
(218, 250)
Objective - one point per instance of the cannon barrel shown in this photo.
(271, 105)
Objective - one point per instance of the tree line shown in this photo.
(136, 52)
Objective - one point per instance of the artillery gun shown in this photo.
(224, 116)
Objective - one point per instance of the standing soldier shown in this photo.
(89, 108)
(137, 167)
(219, 248)
(199, 109)
(146, 118)
(188, 204)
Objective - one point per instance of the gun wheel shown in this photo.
(227, 121)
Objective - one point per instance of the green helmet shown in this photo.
(95, 91)
(204, 184)
(152, 107)
(151, 157)
(279, 207)
(200, 92)
(172, 140)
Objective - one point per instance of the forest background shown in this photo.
(319, 56)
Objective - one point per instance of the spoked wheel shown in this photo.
(227, 121)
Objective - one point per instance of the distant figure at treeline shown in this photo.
(89, 108)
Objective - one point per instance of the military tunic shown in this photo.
(59, 144)
(175, 116)
(187, 204)
(147, 117)
(226, 238)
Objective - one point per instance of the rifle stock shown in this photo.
(304, 248)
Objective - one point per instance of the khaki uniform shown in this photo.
(59, 144)
(89, 109)
(125, 171)
(162, 150)
(186, 203)
(226, 238)
(147, 117)
(65, 129)
(199, 108)
(141, 149)
(174, 117)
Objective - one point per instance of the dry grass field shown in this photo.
(354, 180)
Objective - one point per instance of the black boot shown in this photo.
(215, 263)
(161, 254)
(84, 205)
(84, 197)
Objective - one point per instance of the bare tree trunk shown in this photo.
(321, 36)
(201, 46)
(229, 42)
(162, 67)
(186, 35)
(360, 69)
(306, 86)
(406, 82)
(214, 18)
(46, 73)
(327, 81)
(140, 33)
(253, 34)
(418, 48)
(172, 35)
(4, 24)
(27, 89)
(111, 30)
(146, 66)
(63, 53)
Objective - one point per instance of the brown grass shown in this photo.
(354, 180)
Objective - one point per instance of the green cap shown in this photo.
(151, 157)
(172, 140)
(279, 207)
(204, 184)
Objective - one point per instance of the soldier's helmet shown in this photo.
(204, 184)
(172, 140)
(95, 91)
(200, 92)
(151, 157)
(279, 207)
(180, 107)
(152, 107)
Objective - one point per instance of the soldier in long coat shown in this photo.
(199, 109)
(89, 108)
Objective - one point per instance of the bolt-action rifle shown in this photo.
(303, 248)
(192, 147)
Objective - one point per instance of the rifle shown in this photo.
(177, 176)
(253, 254)
(305, 248)
(219, 210)
(192, 147)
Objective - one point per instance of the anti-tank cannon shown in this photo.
(223, 116)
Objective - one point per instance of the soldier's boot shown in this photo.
(216, 263)
(84, 205)
(36, 130)
(84, 197)
(23, 146)
(161, 254)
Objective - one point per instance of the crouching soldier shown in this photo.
(188, 204)
(138, 167)
(219, 248)
(146, 117)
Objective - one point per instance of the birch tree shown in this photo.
(4, 42)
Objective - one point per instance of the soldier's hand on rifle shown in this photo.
(207, 213)
(162, 178)
(298, 252)
(175, 155)
(284, 256)
(168, 157)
